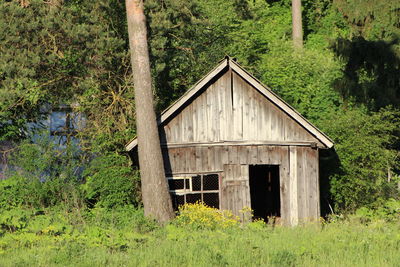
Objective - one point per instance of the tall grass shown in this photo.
(125, 238)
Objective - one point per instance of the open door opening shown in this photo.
(265, 191)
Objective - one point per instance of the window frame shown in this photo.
(184, 192)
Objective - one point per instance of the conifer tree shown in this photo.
(156, 199)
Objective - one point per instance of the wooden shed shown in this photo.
(234, 144)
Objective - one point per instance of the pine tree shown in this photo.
(155, 195)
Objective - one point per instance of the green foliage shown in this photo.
(269, 24)
(388, 211)
(43, 174)
(364, 143)
(11, 192)
(70, 53)
(370, 75)
(110, 182)
(13, 220)
(373, 19)
(303, 79)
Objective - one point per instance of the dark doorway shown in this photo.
(264, 191)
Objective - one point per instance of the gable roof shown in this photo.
(264, 90)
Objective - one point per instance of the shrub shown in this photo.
(43, 174)
(365, 143)
(14, 220)
(110, 182)
(200, 216)
(389, 211)
(11, 192)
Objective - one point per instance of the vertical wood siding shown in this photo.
(230, 109)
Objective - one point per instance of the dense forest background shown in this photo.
(345, 80)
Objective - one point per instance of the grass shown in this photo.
(125, 238)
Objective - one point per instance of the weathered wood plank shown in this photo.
(199, 159)
(260, 113)
(195, 110)
(225, 155)
(301, 185)
(294, 215)
(242, 154)
(253, 135)
(284, 171)
(247, 109)
(192, 159)
(209, 113)
(189, 122)
(228, 109)
(210, 159)
(267, 121)
(237, 108)
(201, 118)
(233, 155)
(253, 155)
(312, 161)
(262, 154)
(217, 157)
(204, 156)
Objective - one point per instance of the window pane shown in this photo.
(58, 120)
(176, 184)
(196, 183)
(177, 200)
(77, 121)
(210, 182)
(211, 199)
(193, 198)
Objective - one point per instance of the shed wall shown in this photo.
(298, 168)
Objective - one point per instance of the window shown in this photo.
(193, 188)
(64, 124)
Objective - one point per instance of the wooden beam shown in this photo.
(238, 143)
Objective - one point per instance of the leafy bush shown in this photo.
(12, 194)
(388, 211)
(43, 175)
(110, 182)
(364, 143)
(14, 220)
(200, 216)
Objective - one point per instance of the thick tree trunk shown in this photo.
(155, 195)
(297, 26)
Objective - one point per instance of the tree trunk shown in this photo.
(297, 26)
(155, 194)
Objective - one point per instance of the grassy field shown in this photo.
(125, 238)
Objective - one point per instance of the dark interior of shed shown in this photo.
(265, 191)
